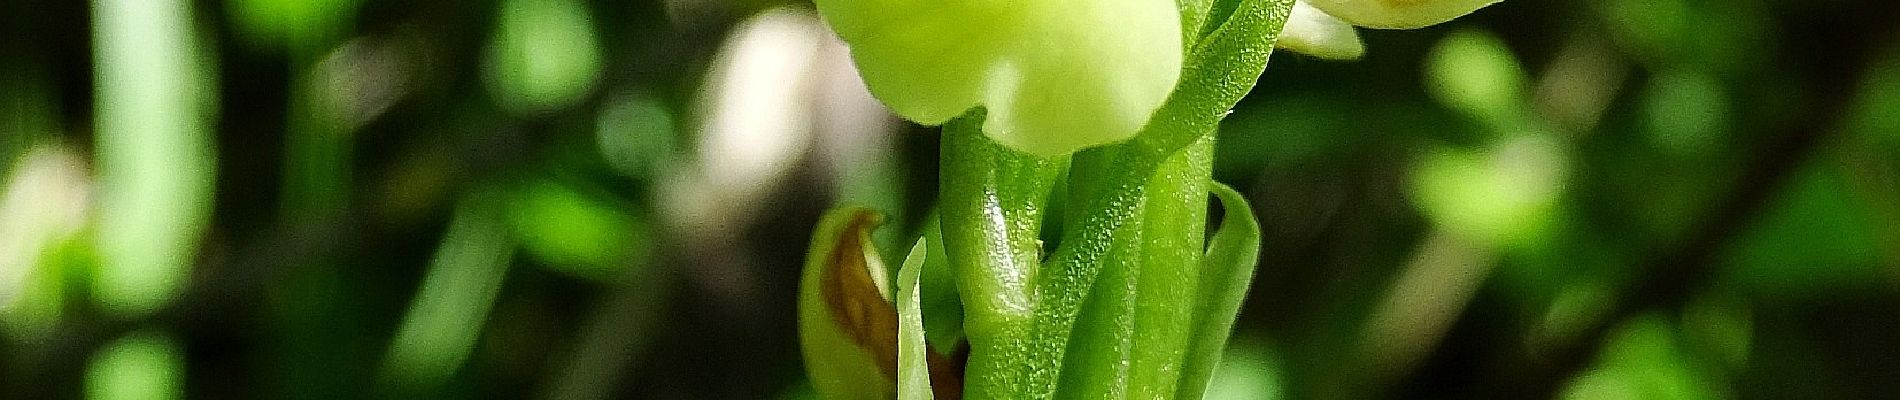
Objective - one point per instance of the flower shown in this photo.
(1398, 14)
(1315, 33)
(1324, 28)
(1054, 76)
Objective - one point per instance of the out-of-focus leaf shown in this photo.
(1475, 73)
(846, 322)
(1815, 237)
(1719, 37)
(1686, 111)
(1299, 132)
(43, 201)
(544, 55)
(300, 25)
(1249, 371)
(1644, 360)
(1507, 197)
(913, 369)
(1720, 325)
(1875, 113)
(577, 234)
(156, 165)
(635, 134)
(442, 324)
(1227, 272)
(144, 365)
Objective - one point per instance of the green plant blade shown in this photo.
(444, 323)
(1106, 326)
(1174, 233)
(942, 306)
(1221, 70)
(1231, 256)
(913, 367)
(1193, 16)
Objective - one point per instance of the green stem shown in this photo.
(1016, 359)
(1106, 326)
(992, 201)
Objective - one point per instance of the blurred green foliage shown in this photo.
(1649, 199)
(141, 366)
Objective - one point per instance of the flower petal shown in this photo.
(1055, 75)
(1313, 32)
(1399, 14)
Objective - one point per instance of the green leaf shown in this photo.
(1232, 254)
(1222, 69)
(1819, 235)
(301, 25)
(942, 306)
(1474, 72)
(1194, 15)
(440, 330)
(144, 365)
(847, 326)
(1507, 198)
(1105, 330)
(576, 233)
(1174, 233)
(544, 55)
(913, 370)
(1644, 358)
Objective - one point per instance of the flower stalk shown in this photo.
(1082, 264)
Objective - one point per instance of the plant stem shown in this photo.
(1020, 318)
(992, 201)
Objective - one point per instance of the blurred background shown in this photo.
(587, 199)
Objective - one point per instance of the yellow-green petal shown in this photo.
(846, 322)
(1313, 32)
(1055, 75)
(1399, 14)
